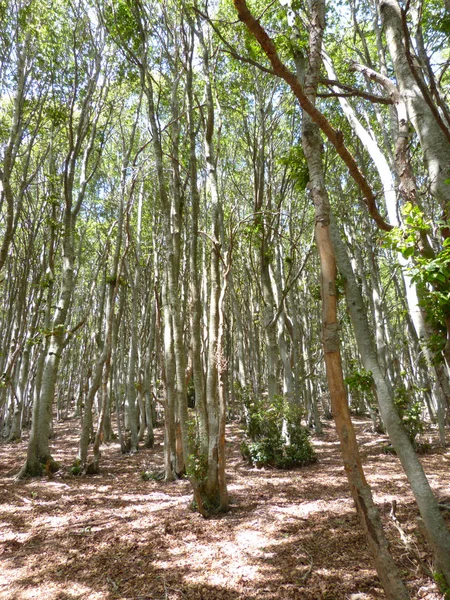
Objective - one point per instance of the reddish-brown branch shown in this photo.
(332, 135)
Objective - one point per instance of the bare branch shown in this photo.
(351, 91)
(333, 136)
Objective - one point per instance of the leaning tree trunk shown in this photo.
(133, 356)
(174, 375)
(312, 147)
(38, 453)
(433, 135)
(436, 531)
(360, 489)
(408, 191)
(431, 128)
(201, 411)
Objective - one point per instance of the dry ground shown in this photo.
(288, 535)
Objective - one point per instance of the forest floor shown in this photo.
(288, 534)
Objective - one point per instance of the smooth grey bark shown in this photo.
(49, 253)
(101, 372)
(132, 380)
(266, 253)
(284, 323)
(23, 374)
(83, 127)
(309, 377)
(11, 150)
(168, 377)
(175, 283)
(147, 382)
(194, 261)
(408, 191)
(437, 533)
(270, 327)
(16, 352)
(242, 368)
(213, 494)
(254, 350)
(312, 146)
(361, 492)
(435, 145)
(171, 205)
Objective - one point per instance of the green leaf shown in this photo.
(407, 252)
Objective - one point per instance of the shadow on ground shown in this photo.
(288, 535)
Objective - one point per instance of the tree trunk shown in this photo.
(437, 533)
(361, 492)
(434, 141)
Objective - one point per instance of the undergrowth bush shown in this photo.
(360, 383)
(274, 435)
(410, 412)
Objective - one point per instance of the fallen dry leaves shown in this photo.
(288, 535)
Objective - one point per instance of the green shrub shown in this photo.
(152, 475)
(197, 467)
(442, 585)
(360, 383)
(410, 413)
(274, 435)
(76, 469)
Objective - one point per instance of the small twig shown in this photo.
(165, 588)
(156, 399)
(305, 577)
(91, 523)
(407, 541)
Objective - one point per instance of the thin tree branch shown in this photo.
(230, 49)
(352, 92)
(377, 99)
(291, 283)
(333, 136)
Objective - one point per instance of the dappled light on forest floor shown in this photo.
(288, 534)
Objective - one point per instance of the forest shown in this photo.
(225, 299)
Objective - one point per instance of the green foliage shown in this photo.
(360, 384)
(152, 475)
(433, 278)
(404, 239)
(197, 467)
(410, 412)
(253, 231)
(442, 584)
(315, 292)
(297, 168)
(121, 23)
(57, 115)
(274, 435)
(360, 380)
(430, 274)
(76, 468)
